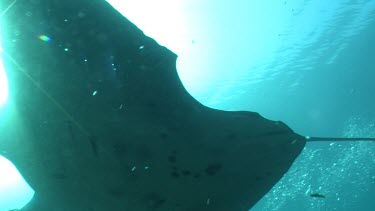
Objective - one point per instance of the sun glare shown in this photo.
(14, 191)
(3, 85)
(3, 79)
(162, 20)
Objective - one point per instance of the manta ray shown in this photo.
(99, 120)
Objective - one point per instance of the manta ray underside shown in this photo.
(98, 120)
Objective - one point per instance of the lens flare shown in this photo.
(44, 38)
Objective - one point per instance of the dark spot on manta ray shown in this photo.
(212, 169)
(197, 175)
(172, 159)
(257, 178)
(185, 172)
(175, 174)
(164, 135)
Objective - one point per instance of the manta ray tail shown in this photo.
(311, 139)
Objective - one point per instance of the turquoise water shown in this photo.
(310, 64)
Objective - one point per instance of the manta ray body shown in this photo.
(98, 120)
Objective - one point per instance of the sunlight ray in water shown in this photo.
(3, 78)
(7, 8)
(14, 190)
(3, 84)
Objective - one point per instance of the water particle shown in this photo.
(94, 93)
(141, 47)
(133, 169)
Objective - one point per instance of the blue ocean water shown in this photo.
(320, 82)
(310, 64)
